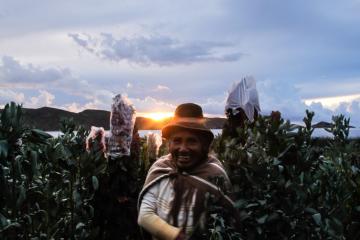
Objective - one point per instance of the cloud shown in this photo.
(350, 110)
(214, 106)
(333, 102)
(44, 98)
(150, 104)
(162, 88)
(154, 49)
(95, 104)
(13, 73)
(333, 87)
(284, 97)
(73, 107)
(142, 105)
(7, 95)
(129, 85)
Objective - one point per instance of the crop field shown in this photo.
(286, 184)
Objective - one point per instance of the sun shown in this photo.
(158, 116)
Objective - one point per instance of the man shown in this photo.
(172, 201)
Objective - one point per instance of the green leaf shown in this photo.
(317, 218)
(12, 227)
(302, 177)
(45, 216)
(17, 165)
(240, 203)
(243, 215)
(91, 211)
(252, 205)
(95, 182)
(310, 210)
(40, 135)
(21, 197)
(77, 198)
(28, 219)
(273, 216)
(3, 221)
(34, 163)
(262, 219)
(4, 147)
(79, 226)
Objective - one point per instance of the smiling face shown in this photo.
(187, 149)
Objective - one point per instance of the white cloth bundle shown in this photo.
(99, 133)
(122, 122)
(244, 95)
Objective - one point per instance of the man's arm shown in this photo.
(149, 220)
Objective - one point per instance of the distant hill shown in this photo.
(48, 119)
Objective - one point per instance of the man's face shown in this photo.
(186, 149)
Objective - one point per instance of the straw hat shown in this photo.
(188, 116)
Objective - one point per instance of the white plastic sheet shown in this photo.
(244, 95)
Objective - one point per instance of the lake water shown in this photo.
(354, 132)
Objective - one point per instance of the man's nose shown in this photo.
(183, 147)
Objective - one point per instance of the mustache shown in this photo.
(182, 154)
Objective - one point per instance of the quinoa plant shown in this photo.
(285, 187)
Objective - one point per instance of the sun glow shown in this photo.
(158, 116)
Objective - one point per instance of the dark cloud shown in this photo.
(155, 49)
(14, 75)
(11, 71)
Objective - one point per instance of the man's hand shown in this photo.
(181, 235)
(159, 228)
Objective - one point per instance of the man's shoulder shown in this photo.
(164, 161)
(215, 163)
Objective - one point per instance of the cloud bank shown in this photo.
(11, 71)
(154, 49)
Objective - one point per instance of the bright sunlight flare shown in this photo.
(158, 116)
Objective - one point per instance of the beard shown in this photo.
(188, 160)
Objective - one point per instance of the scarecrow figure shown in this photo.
(242, 105)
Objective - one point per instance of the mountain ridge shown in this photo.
(48, 119)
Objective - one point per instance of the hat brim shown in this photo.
(169, 129)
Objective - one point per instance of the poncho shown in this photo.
(199, 177)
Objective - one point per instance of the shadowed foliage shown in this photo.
(287, 184)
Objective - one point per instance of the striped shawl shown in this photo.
(199, 177)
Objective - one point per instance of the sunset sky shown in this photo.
(77, 55)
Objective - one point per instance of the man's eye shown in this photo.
(192, 141)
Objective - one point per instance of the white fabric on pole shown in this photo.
(243, 94)
(122, 121)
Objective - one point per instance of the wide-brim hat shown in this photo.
(188, 116)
